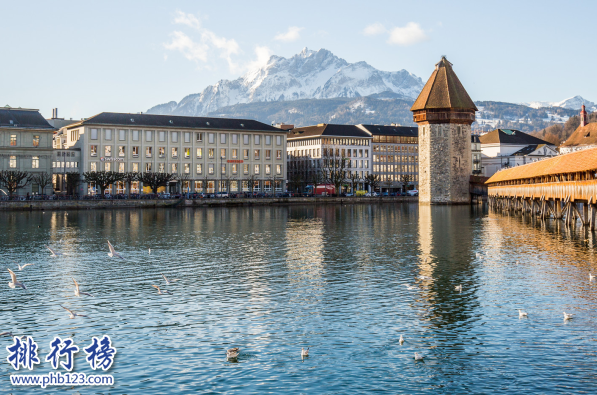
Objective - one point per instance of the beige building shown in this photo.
(218, 154)
(25, 144)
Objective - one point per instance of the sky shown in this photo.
(127, 56)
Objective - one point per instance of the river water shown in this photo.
(342, 280)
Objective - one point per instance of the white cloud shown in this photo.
(374, 29)
(187, 19)
(410, 34)
(262, 56)
(190, 49)
(292, 34)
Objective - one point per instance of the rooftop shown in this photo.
(510, 136)
(385, 130)
(443, 90)
(528, 149)
(585, 135)
(22, 118)
(584, 160)
(328, 129)
(176, 122)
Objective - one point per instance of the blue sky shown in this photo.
(126, 56)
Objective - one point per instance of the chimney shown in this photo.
(54, 113)
(583, 117)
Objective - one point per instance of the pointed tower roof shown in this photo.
(443, 90)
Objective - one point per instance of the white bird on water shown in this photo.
(568, 316)
(24, 266)
(113, 252)
(304, 353)
(160, 292)
(150, 251)
(591, 277)
(14, 283)
(522, 314)
(54, 253)
(72, 314)
(168, 282)
(419, 357)
(401, 340)
(458, 288)
(232, 353)
(78, 293)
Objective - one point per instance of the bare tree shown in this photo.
(336, 168)
(182, 178)
(205, 182)
(102, 179)
(73, 179)
(405, 180)
(316, 177)
(129, 178)
(43, 180)
(251, 180)
(155, 180)
(354, 180)
(373, 181)
(13, 180)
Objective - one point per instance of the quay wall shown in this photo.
(182, 203)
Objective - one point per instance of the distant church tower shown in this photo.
(444, 113)
(584, 120)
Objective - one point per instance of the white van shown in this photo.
(414, 192)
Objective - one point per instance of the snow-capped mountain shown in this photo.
(572, 103)
(307, 75)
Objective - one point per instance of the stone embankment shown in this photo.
(182, 203)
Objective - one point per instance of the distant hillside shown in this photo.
(558, 133)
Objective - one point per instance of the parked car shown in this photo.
(222, 195)
(385, 194)
(164, 195)
(371, 194)
(349, 194)
(414, 192)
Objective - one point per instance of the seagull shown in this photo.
(591, 277)
(458, 288)
(72, 314)
(304, 353)
(54, 253)
(518, 262)
(232, 353)
(522, 314)
(14, 283)
(24, 266)
(77, 292)
(160, 292)
(401, 340)
(418, 357)
(568, 316)
(150, 251)
(113, 252)
(168, 282)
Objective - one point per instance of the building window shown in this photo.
(122, 135)
(210, 168)
(93, 166)
(279, 154)
(162, 136)
(199, 137)
(278, 169)
(108, 166)
(93, 150)
(13, 140)
(93, 134)
(175, 137)
(148, 135)
(187, 137)
(108, 134)
(234, 154)
(246, 154)
(135, 135)
(121, 150)
(13, 161)
(211, 138)
(211, 153)
(268, 169)
(187, 168)
(257, 154)
(278, 140)
(234, 138)
(187, 153)
(223, 170)
(245, 139)
(175, 152)
(222, 138)
(199, 168)
(246, 169)
(199, 153)
(222, 152)
(256, 169)
(135, 167)
(161, 167)
(268, 153)
(161, 152)
(257, 139)
(121, 167)
(135, 152)
(108, 150)
(234, 168)
(268, 140)
(36, 141)
(148, 166)
(148, 152)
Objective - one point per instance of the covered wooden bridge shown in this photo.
(563, 187)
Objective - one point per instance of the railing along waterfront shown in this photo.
(577, 191)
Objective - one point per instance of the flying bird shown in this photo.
(113, 252)
(7, 334)
(24, 266)
(54, 253)
(419, 357)
(232, 353)
(522, 314)
(304, 353)
(401, 340)
(168, 282)
(568, 316)
(78, 293)
(14, 283)
(72, 314)
(160, 292)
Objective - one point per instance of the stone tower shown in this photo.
(444, 113)
(584, 119)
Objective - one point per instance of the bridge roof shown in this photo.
(569, 163)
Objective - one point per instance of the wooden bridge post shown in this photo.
(558, 205)
(585, 214)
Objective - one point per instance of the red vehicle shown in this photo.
(325, 190)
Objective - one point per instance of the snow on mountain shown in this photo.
(307, 75)
(572, 103)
